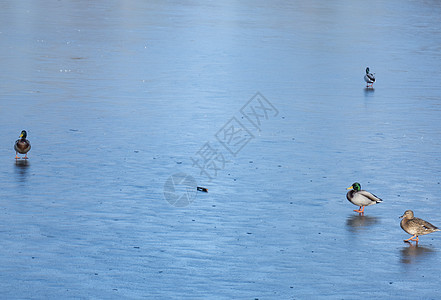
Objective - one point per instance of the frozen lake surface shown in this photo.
(119, 96)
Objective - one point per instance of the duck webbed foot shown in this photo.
(412, 238)
(360, 210)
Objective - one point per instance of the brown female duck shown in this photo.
(415, 226)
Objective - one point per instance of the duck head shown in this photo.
(355, 186)
(367, 70)
(408, 214)
(23, 134)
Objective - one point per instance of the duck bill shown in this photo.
(401, 217)
(350, 188)
(21, 135)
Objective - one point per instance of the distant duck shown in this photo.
(22, 145)
(369, 78)
(360, 197)
(415, 226)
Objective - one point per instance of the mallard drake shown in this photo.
(360, 197)
(415, 226)
(22, 145)
(369, 78)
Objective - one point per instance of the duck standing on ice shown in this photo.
(22, 145)
(415, 226)
(369, 78)
(360, 197)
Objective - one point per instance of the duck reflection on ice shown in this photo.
(368, 92)
(357, 222)
(410, 254)
(21, 168)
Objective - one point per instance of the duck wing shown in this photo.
(370, 196)
(367, 79)
(371, 77)
(17, 145)
(422, 226)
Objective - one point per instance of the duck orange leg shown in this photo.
(360, 210)
(412, 238)
(26, 156)
(16, 156)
